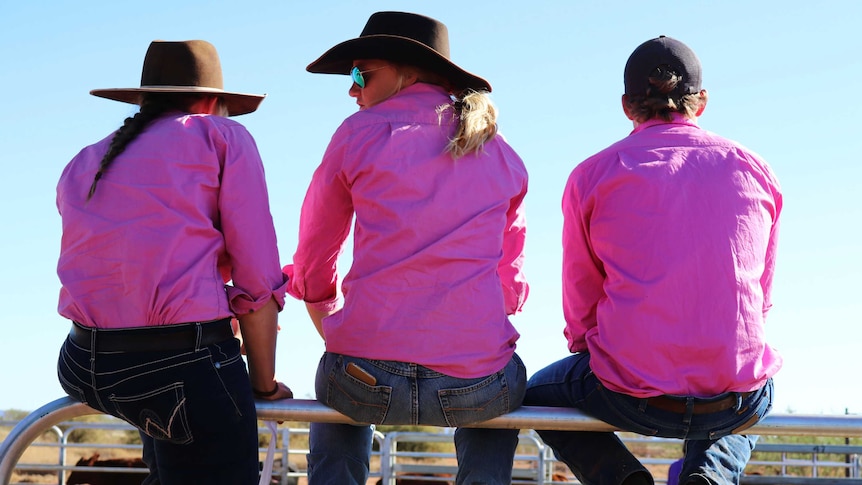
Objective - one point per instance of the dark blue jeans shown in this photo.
(714, 452)
(194, 408)
(406, 393)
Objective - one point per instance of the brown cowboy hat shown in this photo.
(400, 37)
(190, 66)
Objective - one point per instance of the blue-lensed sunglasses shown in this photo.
(358, 77)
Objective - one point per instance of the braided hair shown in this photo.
(152, 106)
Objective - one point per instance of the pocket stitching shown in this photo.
(178, 412)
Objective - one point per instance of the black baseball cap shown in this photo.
(662, 51)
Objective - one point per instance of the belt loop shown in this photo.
(689, 411)
(93, 333)
(198, 333)
(738, 401)
(92, 349)
(642, 404)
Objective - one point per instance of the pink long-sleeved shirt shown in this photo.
(438, 243)
(179, 213)
(668, 256)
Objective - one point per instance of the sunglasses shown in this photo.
(358, 77)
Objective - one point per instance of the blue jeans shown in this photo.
(714, 453)
(388, 392)
(194, 409)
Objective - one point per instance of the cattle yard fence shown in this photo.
(533, 467)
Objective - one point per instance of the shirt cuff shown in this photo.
(296, 289)
(242, 303)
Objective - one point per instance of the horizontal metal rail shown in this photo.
(306, 410)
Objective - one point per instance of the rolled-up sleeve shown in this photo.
(248, 229)
(324, 225)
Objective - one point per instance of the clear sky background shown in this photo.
(783, 78)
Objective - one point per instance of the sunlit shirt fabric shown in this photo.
(438, 243)
(180, 212)
(669, 253)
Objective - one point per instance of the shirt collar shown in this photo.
(677, 119)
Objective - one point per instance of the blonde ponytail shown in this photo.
(477, 123)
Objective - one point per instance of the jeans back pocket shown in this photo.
(160, 413)
(354, 397)
(477, 402)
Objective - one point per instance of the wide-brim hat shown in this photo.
(401, 37)
(190, 66)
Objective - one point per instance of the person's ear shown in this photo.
(409, 77)
(625, 102)
(704, 97)
(206, 105)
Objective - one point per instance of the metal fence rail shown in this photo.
(304, 410)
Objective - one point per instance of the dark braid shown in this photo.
(151, 107)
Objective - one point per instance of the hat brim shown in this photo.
(339, 59)
(237, 103)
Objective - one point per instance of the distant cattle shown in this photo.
(81, 477)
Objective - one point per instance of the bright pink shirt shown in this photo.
(438, 243)
(179, 213)
(669, 248)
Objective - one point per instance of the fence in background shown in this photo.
(301, 410)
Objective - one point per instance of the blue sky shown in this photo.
(783, 78)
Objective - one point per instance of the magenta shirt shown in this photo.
(177, 214)
(438, 243)
(669, 248)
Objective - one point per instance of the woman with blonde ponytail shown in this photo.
(157, 218)
(422, 333)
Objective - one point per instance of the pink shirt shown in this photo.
(669, 251)
(438, 243)
(180, 212)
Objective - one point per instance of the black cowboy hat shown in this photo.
(190, 66)
(402, 37)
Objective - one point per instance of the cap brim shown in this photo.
(339, 59)
(237, 103)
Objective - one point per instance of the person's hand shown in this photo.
(281, 391)
(237, 333)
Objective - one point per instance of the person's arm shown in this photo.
(317, 317)
(257, 292)
(259, 331)
(583, 274)
(510, 267)
(324, 224)
(771, 251)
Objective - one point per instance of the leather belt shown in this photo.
(183, 336)
(700, 406)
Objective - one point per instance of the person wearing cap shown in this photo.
(422, 334)
(157, 218)
(669, 244)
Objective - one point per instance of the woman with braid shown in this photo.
(422, 335)
(157, 218)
